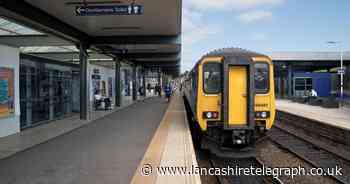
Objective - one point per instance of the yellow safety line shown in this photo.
(153, 155)
(156, 149)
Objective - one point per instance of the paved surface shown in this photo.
(336, 117)
(171, 147)
(107, 150)
(23, 140)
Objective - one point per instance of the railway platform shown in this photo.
(171, 147)
(339, 118)
(21, 141)
(113, 148)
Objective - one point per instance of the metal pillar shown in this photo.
(117, 84)
(83, 82)
(144, 82)
(342, 72)
(29, 105)
(290, 80)
(160, 81)
(51, 94)
(134, 86)
(159, 76)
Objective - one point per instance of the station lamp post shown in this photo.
(341, 72)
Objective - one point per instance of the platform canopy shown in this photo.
(144, 32)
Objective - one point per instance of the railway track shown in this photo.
(313, 154)
(241, 163)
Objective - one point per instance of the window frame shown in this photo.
(267, 90)
(203, 78)
(305, 85)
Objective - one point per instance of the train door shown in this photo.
(237, 95)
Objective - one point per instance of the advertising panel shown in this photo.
(7, 106)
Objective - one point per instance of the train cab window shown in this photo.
(212, 78)
(261, 77)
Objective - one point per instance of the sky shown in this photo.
(263, 26)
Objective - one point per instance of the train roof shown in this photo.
(230, 52)
(235, 52)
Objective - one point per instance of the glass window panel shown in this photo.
(9, 28)
(212, 78)
(261, 77)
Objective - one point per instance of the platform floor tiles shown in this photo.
(106, 151)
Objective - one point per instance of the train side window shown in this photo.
(212, 78)
(261, 77)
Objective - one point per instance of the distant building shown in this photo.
(299, 71)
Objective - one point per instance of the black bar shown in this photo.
(33, 40)
(137, 39)
(83, 82)
(158, 61)
(134, 86)
(47, 60)
(174, 55)
(164, 65)
(160, 81)
(117, 84)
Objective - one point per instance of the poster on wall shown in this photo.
(7, 95)
(96, 88)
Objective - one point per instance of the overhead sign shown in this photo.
(96, 77)
(109, 10)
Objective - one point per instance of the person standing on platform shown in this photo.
(167, 91)
(149, 88)
(158, 90)
(155, 90)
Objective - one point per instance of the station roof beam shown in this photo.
(152, 34)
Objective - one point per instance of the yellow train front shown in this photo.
(230, 93)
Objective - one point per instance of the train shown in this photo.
(230, 96)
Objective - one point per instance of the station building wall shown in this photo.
(320, 82)
(347, 81)
(100, 74)
(10, 59)
(126, 75)
(284, 75)
(126, 81)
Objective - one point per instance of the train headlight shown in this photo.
(262, 114)
(210, 115)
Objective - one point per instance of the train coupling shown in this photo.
(239, 137)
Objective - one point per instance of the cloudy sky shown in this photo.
(263, 25)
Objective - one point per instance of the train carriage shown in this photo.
(230, 93)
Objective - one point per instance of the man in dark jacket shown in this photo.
(167, 91)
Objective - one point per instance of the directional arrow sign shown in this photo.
(108, 10)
